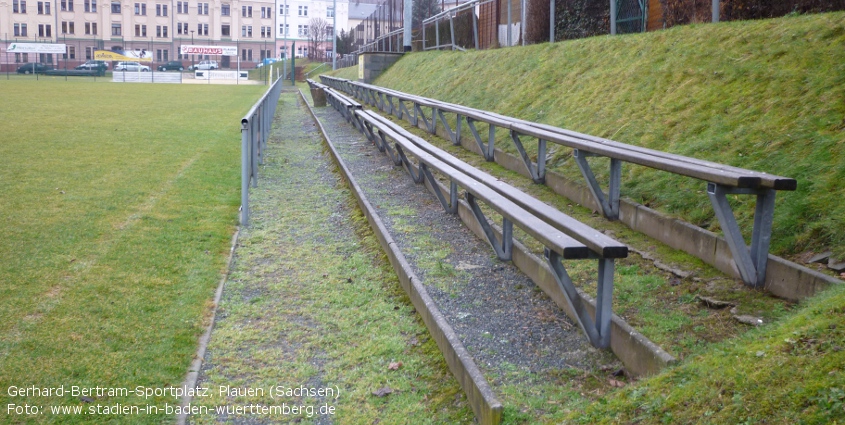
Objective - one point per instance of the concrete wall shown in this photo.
(371, 65)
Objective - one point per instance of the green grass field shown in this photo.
(118, 205)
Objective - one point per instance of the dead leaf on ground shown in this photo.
(616, 384)
(394, 365)
(381, 392)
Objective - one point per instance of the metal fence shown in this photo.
(255, 130)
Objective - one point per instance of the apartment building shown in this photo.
(295, 18)
(255, 27)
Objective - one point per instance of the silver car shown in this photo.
(131, 66)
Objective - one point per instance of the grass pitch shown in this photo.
(118, 205)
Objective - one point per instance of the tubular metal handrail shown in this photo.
(255, 130)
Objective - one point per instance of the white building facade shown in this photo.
(256, 27)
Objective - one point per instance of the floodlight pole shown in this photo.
(408, 15)
(334, 35)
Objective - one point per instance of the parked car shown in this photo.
(204, 65)
(93, 64)
(131, 66)
(171, 66)
(34, 68)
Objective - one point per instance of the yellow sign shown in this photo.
(126, 56)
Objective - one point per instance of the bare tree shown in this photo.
(318, 31)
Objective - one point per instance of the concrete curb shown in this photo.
(196, 364)
(485, 404)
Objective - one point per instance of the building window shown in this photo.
(161, 10)
(67, 28)
(20, 30)
(202, 8)
(162, 55)
(140, 30)
(182, 28)
(21, 57)
(115, 7)
(302, 30)
(284, 30)
(246, 55)
(284, 9)
(43, 8)
(246, 11)
(181, 7)
(141, 9)
(67, 5)
(330, 12)
(225, 31)
(225, 10)
(44, 30)
(90, 5)
(161, 31)
(115, 30)
(90, 28)
(246, 31)
(71, 53)
(266, 32)
(266, 12)
(303, 10)
(18, 6)
(46, 57)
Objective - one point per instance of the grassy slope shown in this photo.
(118, 206)
(764, 95)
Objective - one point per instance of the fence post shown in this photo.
(612, 17)
(715, 7)
(245, 170)
(452, 29)
(475, 28)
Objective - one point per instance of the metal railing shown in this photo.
(255, 130)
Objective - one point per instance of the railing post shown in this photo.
(245, 172)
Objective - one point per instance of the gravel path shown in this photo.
(505, 321)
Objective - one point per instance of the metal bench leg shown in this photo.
(451, 207)
(418, 177)
(598, 330)
(752, 262)
(455, 136)
(488, 153)
(610, 203)
(419, 114)
(504, 250)
(533, 169)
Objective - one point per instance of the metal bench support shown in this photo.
(455, 136)
(419, 114)
(536, 171)
(504, 250)
(752, 262)
(610, 203)
(487, 151)
(419, 176)
(598, 330)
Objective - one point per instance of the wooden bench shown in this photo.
(564, 238)
(721, 180)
